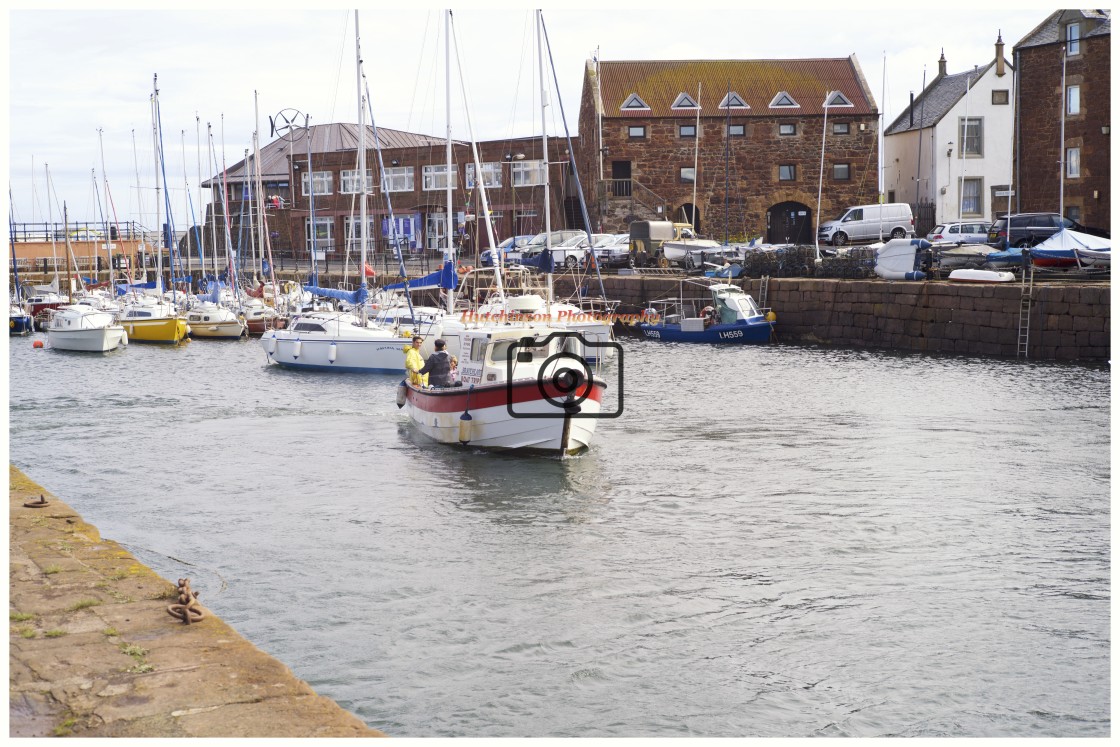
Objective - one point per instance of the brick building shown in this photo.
(1074, 169)
(757, 144)
(414, 181)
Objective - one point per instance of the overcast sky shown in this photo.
(73, 72)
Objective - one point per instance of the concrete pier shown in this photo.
(93, 651)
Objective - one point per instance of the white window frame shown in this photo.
(978, 182)
(324, 242)
(1073, 38)
(1073, 163)
(526, 173)
(348, 181)
(491, 175)
(354, 242)
(963, 138)
(435, 177)
(323, 180)
(1073, 100)
(398, 179)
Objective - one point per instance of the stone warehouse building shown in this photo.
(744, 135)
(1048, 164)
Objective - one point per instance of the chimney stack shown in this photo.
(941, 65)
(999, 55)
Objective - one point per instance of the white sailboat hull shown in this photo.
(356, 353)
(87, 340)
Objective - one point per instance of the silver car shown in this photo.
(959, 233)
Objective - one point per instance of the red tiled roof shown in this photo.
(659, 83)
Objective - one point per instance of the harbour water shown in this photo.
(771, 541)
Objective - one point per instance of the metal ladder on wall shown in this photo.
(763, 290)
(1025, 297)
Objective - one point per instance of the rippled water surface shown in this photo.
(774, 541)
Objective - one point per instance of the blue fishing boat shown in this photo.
(717, 313)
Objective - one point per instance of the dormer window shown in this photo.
(733, 101)
(634, 103)
(837, 99)
(1073, 39)
(784, 101)
(684, 101)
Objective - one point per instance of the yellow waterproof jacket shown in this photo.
(413, 362)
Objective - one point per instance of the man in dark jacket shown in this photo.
(438, 366)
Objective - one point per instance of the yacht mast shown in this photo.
(450, 254)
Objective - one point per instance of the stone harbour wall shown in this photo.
(1068, 320)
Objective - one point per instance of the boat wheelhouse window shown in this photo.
(135, 314)
(478, 349)
(307, 327)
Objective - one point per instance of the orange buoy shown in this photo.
(37, 344)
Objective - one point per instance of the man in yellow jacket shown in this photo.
(414, 361)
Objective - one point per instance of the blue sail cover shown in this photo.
(544, 262)
(444, 277)
(213, 292)
(125, 288)
(356, 298)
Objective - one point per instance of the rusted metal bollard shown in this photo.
(187, 608)
(41, 503)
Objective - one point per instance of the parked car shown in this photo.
(964, 233)
(565, 245)
(1028, 229)
(509, 248)
(868, 223)
(613, 250)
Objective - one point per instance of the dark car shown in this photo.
(1028, 229)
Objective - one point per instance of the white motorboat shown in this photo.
(85, 329)
(520, 388)
(210, 321)
(338, 341)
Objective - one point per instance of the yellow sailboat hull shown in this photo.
(169, 331)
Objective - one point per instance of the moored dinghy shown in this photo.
(901, 259)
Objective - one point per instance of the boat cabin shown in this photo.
(496, 355)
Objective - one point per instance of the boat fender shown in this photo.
(12, 324)
(402, 393)
(272, 345)
(771, 317)
(296, 347)
(37, 344)
(466, 425)
(332, 353)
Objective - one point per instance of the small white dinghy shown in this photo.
(980, 276)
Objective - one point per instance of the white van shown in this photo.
(893, 220)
